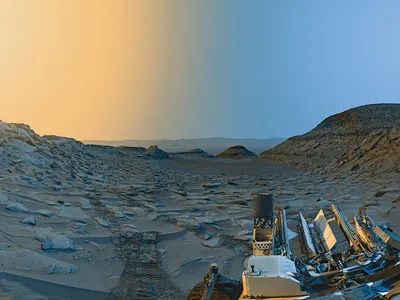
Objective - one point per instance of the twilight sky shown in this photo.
(140, 69)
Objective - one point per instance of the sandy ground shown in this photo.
(150, 228)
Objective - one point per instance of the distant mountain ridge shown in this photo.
(365, 138)
(210, 145)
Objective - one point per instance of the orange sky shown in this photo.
(86, 69)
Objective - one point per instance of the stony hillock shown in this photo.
(237, 152)
(153, 152)
(191, 154)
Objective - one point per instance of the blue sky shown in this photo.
(194, 68)
(278, 68)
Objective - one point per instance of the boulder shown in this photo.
(51, 240)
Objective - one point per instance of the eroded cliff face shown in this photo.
(359, 140)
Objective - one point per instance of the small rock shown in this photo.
(128, 213)
(188, 261)
(232, 183)
(213, 243)
(96, 245)
(3, 198)
(57, 188)
(114, 211)
(15, 206)
(182, 193)
(286, 193)
(85, 204)
(128, 230)
(102, 222)
(380, 193)
(244, 232)
(395, 200)
(207, 236)
(73, 213)
(138, 210)
(370, 202)
(217, 227)
(29, 220)
(56, 242)
(153, 217)
(212, 185)
(43, 212)
(177, 273)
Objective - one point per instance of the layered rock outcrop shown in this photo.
(237, 152)
(361, 139)
(21, 147)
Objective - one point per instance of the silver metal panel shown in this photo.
(307, 235)
(360, 231)
(325, 230)
(388, 237)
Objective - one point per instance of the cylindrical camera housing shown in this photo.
(263, 205)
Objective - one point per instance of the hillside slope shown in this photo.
(365, 138)
(236, 152)
(22, 150)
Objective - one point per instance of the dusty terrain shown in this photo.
(96, 223)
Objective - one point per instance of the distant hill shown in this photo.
(237, 152)
(209, 145)
(365, 138)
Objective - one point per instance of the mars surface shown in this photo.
(103, 222)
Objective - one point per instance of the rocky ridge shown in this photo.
(361, 139)
(21, 147)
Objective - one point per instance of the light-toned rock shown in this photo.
(3, 198)
(213, 243)
(43, 212)
(114, 211)
(211, 185)
(85, 204)
(73, 213)
(102, 222)
(51, 240)
(16, 206)
(29, 220)
(30, 261)
(128, 230)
